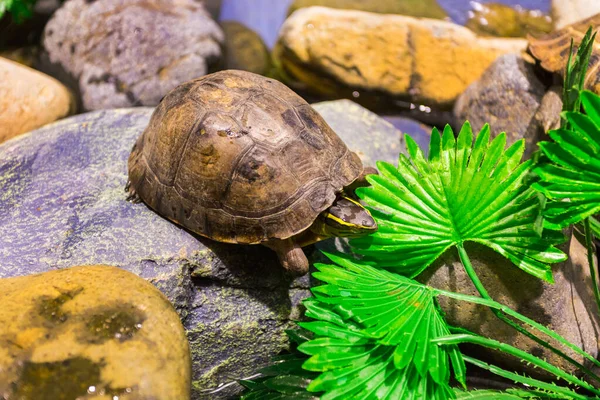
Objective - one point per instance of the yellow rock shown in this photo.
(90, 332)
(29, 99)
(423, 60)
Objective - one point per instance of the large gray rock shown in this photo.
(507, 96)
(63, 203)
(131, 52)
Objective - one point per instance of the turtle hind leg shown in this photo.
(291, 256)
(132, 194)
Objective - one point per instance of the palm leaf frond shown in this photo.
(373, 336)
(572, 180)
(465, 191)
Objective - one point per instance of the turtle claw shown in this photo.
(133, 196)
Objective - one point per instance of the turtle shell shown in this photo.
(552, 50)
(239, 158)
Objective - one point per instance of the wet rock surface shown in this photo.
(29, 99)
(496, 19)
(507, 96)
(244, 49)
(413, 8)
(131, 52)
(90, 332)
(313, 58)
(64, 204)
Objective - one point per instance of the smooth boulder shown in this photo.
(131, 52)
(244, 49)
(29, 99)
(90, 330)
(425, 61)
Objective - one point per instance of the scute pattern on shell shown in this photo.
(239, 158)
(552, 50)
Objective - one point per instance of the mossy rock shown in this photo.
(495, 19)
(413, 8)
(90, 330)
(245, 49)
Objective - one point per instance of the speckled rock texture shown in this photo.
(507, 96)
(313, 58)
(413, 8)
(244, 49)
(63, 203)
(90, 332)
(131, 52)
(29, 99)
(566, 12)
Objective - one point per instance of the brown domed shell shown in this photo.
(552, 50)
(239, 158)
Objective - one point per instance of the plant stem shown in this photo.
(590, 255)
(525, 380)
(541, 328)
(464, 258)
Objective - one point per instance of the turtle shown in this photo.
(240, 158)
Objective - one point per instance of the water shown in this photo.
(266, 16)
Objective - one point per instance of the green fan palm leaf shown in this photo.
(465, 191)
(572, 180)
(373, 336)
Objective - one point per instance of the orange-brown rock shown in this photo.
(29, 99)
(423, 60)
(90, 332)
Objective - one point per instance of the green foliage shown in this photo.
(465, 191)
(575, 73)
(373, 336)
(20, 10)
(572, 180)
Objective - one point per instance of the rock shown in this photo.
(29, 99)
(419, 132)
(90, 330)
(413, 8)
(386, 54)
(496, 19)
(27, 56)
(566, 12)
(244, 49)
(131, 52)
(507, 96)
(374, 138)
(213, 7)
(63, 204)
(262, 16)
(567, 306)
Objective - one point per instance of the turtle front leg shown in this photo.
(291, 256)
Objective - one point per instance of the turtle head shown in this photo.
(346, 218)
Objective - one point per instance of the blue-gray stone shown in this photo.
(63, 203)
